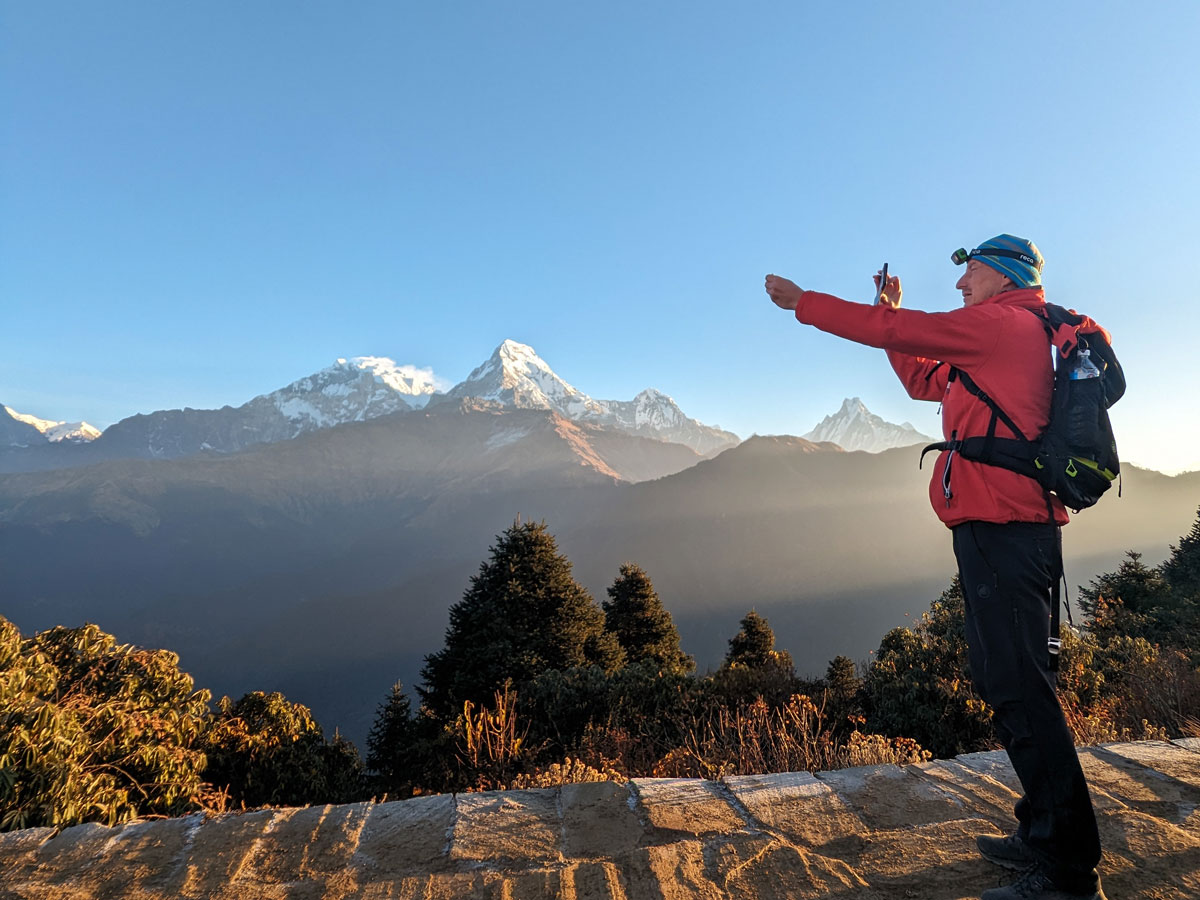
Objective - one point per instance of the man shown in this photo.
(1005, 530)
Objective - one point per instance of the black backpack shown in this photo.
(1075, 457)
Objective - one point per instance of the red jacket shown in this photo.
(1003, 347)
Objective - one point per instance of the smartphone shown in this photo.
(882, 284)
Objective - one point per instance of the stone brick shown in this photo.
(512, 828)
(406, 837)
(674, 871)
(797, 805)
(152, 856)
(947, 865)
(219, 850)
(981, 793)
(595, 881)
(995, 765)
(598, 820)
(690, 806)
(73, 859)
(307, 849)
(19, 853)
(1117, 780)
(885, 796)
(762, 867)
(1162, 761)
(281, 849)
(467, 886)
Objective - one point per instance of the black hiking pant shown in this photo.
(1007, 573)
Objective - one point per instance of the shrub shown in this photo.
(94, 731)
(265, 750)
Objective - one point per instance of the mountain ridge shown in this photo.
(353, 390)
(854, 427)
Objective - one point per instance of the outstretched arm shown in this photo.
(964, 337)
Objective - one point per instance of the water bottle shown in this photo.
(1084, 367)
(1085, 404)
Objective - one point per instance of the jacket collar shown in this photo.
(1026, 298)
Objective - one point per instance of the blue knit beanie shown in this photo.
(1024, 268)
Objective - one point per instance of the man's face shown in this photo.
(981, 282)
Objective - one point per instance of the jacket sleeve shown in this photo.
(963, 337)
(924, 379)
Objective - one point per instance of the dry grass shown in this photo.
(755, 738)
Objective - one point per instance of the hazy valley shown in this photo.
(323, 566)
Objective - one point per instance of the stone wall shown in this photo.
(872, 833)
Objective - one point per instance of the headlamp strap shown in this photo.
(1010, 254)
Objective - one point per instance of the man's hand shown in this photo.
(784, 294)
(891, 291)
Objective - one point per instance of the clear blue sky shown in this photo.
(201, 202)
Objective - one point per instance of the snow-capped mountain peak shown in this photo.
(52, 431)
(351, 390)
(655, 409)
(417, 385)
(515, 375)
(854, 427)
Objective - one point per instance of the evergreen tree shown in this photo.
(753, 646)
(641, 624)
(522, 615)
(753, 668)
(842, 683)
(1123, 601)
(392, 744)
(1182, 568)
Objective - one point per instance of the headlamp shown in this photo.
(960, 256)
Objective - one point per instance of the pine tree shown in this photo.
(1138, 587)
(641, 624)
(753, 646)
(841, 680)
(522, 615)
(843, 705)
(753, 668)
(391, 745)
(1182, 568)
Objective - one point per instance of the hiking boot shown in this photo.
(1010, 852)
(1036, 885)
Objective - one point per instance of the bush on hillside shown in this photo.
(264, 750)
(94, 731)
(919, 684)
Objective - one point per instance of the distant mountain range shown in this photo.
(367, 387)
(351, 390)
(312, 539)
(323, 565)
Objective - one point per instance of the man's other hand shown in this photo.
(784, 294)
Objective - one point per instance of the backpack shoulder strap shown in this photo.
(997, 413)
